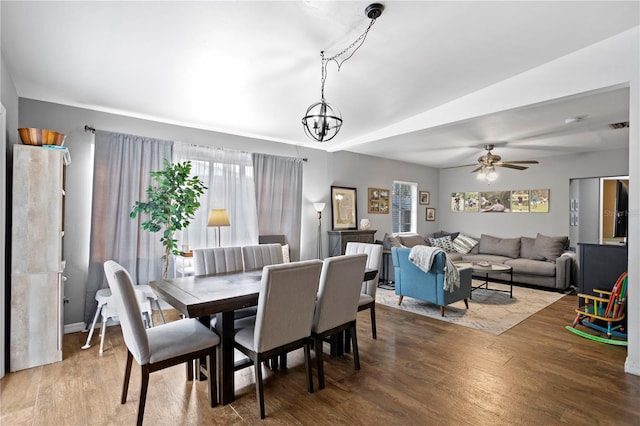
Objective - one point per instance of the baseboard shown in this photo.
(76, 327)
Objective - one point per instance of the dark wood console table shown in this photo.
(338, 239)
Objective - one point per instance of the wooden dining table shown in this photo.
(220, 295)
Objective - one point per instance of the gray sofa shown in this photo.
(541, 261)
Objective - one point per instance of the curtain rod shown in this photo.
(89, 129)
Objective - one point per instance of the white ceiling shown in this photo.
(252, 68)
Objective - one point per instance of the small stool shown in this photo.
(107, 307)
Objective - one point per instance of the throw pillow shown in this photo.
(550, 248)
(441, 234)
(444, 243)
(509, 247)
(464, 244)
(527, 249)
(285, 253)
(412, 240)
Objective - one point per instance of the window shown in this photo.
(404, 202)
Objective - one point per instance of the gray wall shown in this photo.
(320, 172)
(9, 100)
(552, 172)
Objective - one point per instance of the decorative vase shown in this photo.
(365, 224)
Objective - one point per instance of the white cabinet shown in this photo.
(37, 291)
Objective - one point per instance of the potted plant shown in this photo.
(172, 204)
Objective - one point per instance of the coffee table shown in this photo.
(484, 271)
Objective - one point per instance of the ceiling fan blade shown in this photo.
(512, 166)
(477, 169)
(524, 162)
(464, 165)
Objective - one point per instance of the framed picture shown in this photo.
(540, 201)
(431, 214)
(520, 200)
(344, 213)
(457, 201)
(424, 197)
(378, 201)
(471, 203)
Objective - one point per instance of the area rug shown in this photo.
(489, 311)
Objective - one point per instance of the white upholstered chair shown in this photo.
(162, 346)
(258, 256)
(368, 291)
(337, 304)
(283, 321)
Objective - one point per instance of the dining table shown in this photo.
(220, 295)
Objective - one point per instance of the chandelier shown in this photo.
(322, 122)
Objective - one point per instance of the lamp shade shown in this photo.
(218, 217)
(318, 206)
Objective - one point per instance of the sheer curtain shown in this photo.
(120, 178)
(279, 198)
(228, 175)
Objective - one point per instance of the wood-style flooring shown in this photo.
(419, 371)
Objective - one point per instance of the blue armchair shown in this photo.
(428, 286)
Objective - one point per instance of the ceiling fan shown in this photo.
(489, 161)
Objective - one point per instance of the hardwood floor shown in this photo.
(419, 371)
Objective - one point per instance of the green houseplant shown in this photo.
(173, 201)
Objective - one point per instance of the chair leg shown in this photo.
(212, 377)
(466, 303)
(103, 331)
(354, 343)
(93, 326)
(400, 300)
(159, 310)
(441, 311)
(307, 365)
(374, 333)
(127, 375)
(259, 389)
(144, 385)
(192, 365)
(318, 351)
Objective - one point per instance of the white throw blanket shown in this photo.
(422, 257)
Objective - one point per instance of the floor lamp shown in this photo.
(218, 218)
(319, 207)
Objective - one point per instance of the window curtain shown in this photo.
(278, 183)
(120, 178)
(228, 175)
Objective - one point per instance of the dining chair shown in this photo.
(368, 291)
(162, 346)
(256, 257)
(283, 322)
(337, 304)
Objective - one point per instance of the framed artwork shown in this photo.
(520, 201)
(539, 201)
(457, 201)
(471, 202)
(431, 214)
(495, 201)
(344, 214)
(378, 201)
(424, 197)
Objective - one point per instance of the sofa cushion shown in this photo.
(532, 267)
(441, 234)
(390, 241)
(491, 258)
(412, 240)
(444, 243)
(550, 248)
(527, 249)
(509, 247)
(464, 244)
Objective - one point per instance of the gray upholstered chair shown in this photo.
(159, 347)
(337, 304)
(258, 256)
(368, 291)
(283, 322)
(219, 260)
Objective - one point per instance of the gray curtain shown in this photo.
(279, 198)
(120, 178)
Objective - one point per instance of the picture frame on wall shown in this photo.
(378, 201)
(424, 197)
(540, 200)
(430, 214)
(344, 213)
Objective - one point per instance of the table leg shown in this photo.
(224, 327)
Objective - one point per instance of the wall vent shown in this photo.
(621, 125)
